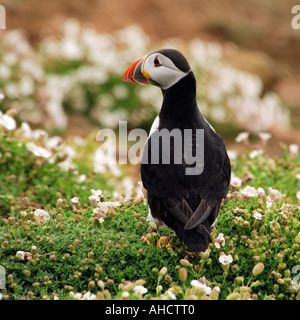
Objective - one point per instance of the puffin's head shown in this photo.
(161, 68)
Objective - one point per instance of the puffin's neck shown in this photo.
(179, 103)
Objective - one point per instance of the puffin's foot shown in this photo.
(163, 241)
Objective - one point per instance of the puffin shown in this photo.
(186, 196)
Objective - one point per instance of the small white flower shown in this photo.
(21, 254)
(253, 154)
(236, 182)
(225, 260)
(249, 192)
(171, 295)
(7, 122)
(53, 142)
(269, 205)
(140, 289)
(243, 136)
(101, 220)
(96, 193)
(275, 195)
(104, 206)
(257, 215)
(94, 200)
(81, 178)
(298, 195)
(41, 215)
(76, 296)
(198, 284)
(298, 176)
(75, 200)
(38, 151)
(261, 192)
(219, 241)
(88, 296)
(125, 294)
(265, 136)
(293, 149)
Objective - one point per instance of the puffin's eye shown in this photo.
(156, 62)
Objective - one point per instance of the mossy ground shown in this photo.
(75, 251)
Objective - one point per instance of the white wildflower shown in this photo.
(7, 121)
(88, 296)
(269, 205)
(253, 154)
(235, 182)
(261, 192)
(242, 137)
(101, 220)
(96, 210)
(257, 215)
(171, 295)
(298, 176)
(66, 165)
(81, 178)
(125, 294)
(104, 206)
(265, 136)
(274, 194)
(219, 241)
(249, 192)
(97, 193)
(38, 151)
(293, 149)
(40, 135)
(20, 254)
(198, 284)
(41, 215)
(225, 260)
(75, 200)
(94, 200)
(27, 132)
(140, 290)
(74, 295)
(53, 142)
(298, 195)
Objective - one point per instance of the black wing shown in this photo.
(170, 180)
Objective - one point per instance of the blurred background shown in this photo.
(61, 62)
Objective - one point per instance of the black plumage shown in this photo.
(188, 204)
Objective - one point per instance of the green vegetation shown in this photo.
(60, 239)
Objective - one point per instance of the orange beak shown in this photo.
(134, 74)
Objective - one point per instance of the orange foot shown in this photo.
(165, 241)
(145, 239)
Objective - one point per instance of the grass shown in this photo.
(77, 251)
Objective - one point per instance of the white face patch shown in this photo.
(162, 70)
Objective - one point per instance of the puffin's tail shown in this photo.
(193, 239)
(191, 227)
